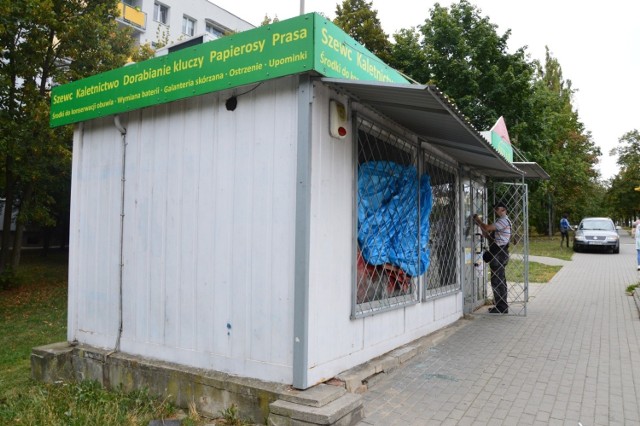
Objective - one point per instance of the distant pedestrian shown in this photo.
(636, 225)
(565, 226)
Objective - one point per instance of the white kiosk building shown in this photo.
(277, 205)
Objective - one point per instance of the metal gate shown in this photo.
(514, 195)
(474, 269)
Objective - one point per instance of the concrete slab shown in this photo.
(210, 391)
(316, 396)
(349, 405)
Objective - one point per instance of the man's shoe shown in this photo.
(498, 311)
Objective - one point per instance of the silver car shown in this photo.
(597, 233)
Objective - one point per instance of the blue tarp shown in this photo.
(388, 216)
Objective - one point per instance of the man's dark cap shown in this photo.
(500, 204)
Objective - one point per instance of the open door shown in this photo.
(474, 270)
(515, 195)
(478, 199)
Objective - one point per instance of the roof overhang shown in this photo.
(425, 111)
(532, 170)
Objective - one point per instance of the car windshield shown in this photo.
(599, 225)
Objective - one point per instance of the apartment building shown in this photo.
(170, 21)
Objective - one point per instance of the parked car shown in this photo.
(597, 233)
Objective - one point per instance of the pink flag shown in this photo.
(501, 128)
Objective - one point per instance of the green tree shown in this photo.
(408, 57)
(148, 50)
(622, 196)
(628, 151)
(469, 62)
(552, 134)
(45, 42)
(268, 21)
(460, 52)
(358, 19)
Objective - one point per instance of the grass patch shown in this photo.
(541, 273)
(231, 417)
(538, 272)
(33, 312)
(81, 404)
(549, 247)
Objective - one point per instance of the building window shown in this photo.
(442, 276)
(214, 30)
(188, 26)
(393, 205)
(161, 13)
(407, 215)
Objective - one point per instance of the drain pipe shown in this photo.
(123, 133)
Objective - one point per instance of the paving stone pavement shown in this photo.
(573, 360)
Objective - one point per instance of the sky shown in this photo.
(596, 43)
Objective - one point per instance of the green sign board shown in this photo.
(337, 55)
(301, 44)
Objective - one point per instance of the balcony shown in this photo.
(131, 16)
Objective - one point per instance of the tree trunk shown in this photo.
(8, 213)
(17, 247)
(10, 182)
(17, 240)
(549, 218)
(46, 240)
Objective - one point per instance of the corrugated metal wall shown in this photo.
(333, 336)
(208, 232)
(94, 235)
(209, 239)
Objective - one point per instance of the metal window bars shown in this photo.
(442, 276)
(406, 222)
(384, 203)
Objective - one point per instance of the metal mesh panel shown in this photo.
(442, 275)
(387, 206)
(514, 195)
(475, 292)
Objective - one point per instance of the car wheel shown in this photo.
(616, 250)
(576, 249)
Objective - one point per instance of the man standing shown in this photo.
(564, 229)
(499, 233)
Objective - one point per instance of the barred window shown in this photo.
(442, 275)
(393, 202)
